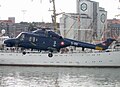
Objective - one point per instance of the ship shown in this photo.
(109, 58)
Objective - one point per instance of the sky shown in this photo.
(37, 10)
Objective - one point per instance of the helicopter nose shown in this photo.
(9, 42)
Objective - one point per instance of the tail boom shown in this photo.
(101, 46)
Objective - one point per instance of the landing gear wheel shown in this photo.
(50, 55)
(23, 52)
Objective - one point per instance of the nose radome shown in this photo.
(6, 41)
(9, 42)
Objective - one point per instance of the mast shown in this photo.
(54, 16)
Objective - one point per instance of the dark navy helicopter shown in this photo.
(48, 40)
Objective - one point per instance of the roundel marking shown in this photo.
(83, 6)
(102, 18)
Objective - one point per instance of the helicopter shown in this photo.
(47, 40)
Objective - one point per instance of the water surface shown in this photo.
(13, 76)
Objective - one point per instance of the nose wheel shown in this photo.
(50, 55)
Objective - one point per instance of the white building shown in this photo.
(86, 24)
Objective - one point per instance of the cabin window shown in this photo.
(36, 39)
(33, 39)
(22, 37)
(30, 39)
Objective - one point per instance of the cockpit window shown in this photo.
(21, 36)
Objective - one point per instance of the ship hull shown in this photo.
(96, 59)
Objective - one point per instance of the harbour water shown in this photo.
(14, 76)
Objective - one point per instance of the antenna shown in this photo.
(40, 1)
(23, 11)
(118, 9)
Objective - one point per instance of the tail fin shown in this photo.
(104, 45)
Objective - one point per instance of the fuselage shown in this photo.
(36, 41)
